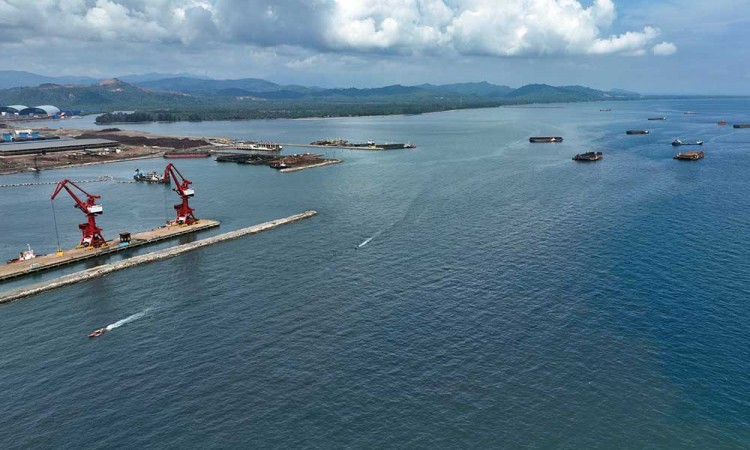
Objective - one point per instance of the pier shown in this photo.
(53, 260)
(171, 252)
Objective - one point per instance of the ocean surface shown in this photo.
(478, 291)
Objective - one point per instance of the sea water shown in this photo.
(477, 291)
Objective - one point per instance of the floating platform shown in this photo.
(52, 261)
(158, 255)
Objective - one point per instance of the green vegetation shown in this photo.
(196, 100)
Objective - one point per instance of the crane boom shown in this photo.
(91, 233)
(185, 214)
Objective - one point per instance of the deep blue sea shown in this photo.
(478, 291)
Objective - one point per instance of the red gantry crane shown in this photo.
(184, 211)
(92, 235)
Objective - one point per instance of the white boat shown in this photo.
(24, 256)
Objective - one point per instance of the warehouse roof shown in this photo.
(54, 145)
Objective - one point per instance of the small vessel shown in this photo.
(690, 112)
(657, 118)
(187, 155)
(278, 165)
(741, 125)
(689, 156)
(588, 156)
(678, 142)
(23, 256)
(151, 177)
(98, 332)
(721, 122)
(636, 132)
(538, 139)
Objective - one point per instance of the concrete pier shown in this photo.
(100, 271)
(51, 261)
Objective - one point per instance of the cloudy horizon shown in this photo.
(670, 47)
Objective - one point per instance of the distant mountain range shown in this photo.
(235, 98)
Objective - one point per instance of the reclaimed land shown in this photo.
(105, 269)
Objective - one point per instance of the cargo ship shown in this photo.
(678, 142)
(538, 139)
(689, 156)
(636, 132)
(657, 118)
(588, 156)
(742, 125)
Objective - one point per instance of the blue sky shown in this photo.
(688, 46)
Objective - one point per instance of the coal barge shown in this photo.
(540, 139)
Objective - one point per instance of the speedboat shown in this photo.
(98, 332)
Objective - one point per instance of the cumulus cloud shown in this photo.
(472, 27)
(664, 49)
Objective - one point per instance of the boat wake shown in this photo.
(128, 319)
(366, 241)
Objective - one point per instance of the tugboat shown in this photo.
(588, 156)
(678, 142)
(721, 123)
(98, 332)
(151, 177)
(689, 156)
(23, 256)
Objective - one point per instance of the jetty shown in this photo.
(159, 255)
(55, 260)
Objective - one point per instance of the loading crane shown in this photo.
(182, 187)
(92, 234)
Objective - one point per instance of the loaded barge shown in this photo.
(540, 139)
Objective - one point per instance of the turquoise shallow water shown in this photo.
(507, 296)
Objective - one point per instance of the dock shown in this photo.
(52, 261)
(96, 272)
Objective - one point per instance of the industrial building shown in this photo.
(36, 111)
(55, 145)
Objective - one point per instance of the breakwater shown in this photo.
(105, 269)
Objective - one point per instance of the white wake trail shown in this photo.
(128, 319)
(367, 241)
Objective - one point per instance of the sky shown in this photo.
(669, 47)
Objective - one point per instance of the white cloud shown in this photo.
(472, 27)
(664, 49)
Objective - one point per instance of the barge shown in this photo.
(540, 139)
(689, 156)
(588, 156)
